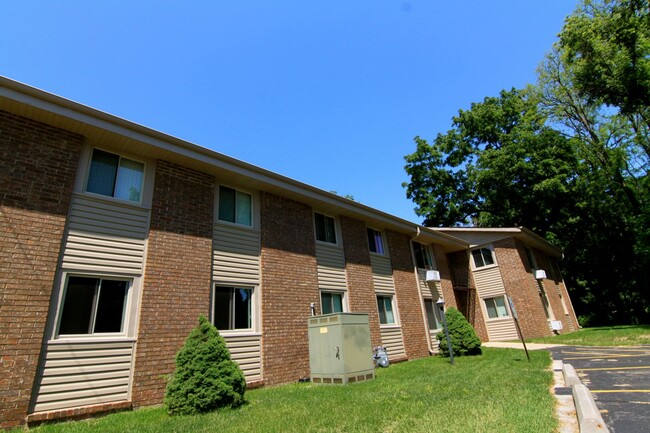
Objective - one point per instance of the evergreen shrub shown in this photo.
(464, 340)
(205, 378)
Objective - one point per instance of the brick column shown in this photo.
(38, 164)
(521, 286)
(414, 330)
(289, 285)
(177, 278)
(361, 290)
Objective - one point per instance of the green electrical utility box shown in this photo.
(340, 349)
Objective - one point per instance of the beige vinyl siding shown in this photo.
(435, 344)
(391, 339)
(105, 236)
(427, 289)
(489, 282)
(382, 274)
(83, 374)
(331, 267)
(501, 329)
(245, 350)
(236, 255)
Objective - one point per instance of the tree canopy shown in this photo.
(567, 157)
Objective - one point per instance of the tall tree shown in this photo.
(568, 158)
(499, 165)
(592, 87)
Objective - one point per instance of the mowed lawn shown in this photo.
(499, 391)
(625, 335)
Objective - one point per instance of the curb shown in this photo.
(570, 375)
(589, 418)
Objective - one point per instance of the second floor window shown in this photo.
(375, 242)
(482, 257)
(422, 256)
(115, 176)
(325, 228)
(235, 206)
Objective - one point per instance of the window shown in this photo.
(325, 228)
(375, 242)
(433, 314)
(385, 306)
(235, 206)
(93, 306)
(233, 308)
(482, 257)
(496, 307)
(114, 176)
(422, 256)
(331, 302)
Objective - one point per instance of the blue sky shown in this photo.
(330, 93)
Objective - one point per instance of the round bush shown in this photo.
(205, 378)
(464, 340)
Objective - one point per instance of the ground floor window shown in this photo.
(93, 305)
(496, 307)
(233, 308)
(331, 302)
(433, 314)
(385, 307)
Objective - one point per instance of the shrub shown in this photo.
(205, 378)
(464, 340)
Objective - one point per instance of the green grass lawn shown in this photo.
(498, 391)
(605, 336)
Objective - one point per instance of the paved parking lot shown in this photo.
(619, 379)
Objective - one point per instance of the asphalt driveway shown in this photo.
(619, 379)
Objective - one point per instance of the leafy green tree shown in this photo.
(607, 43)
(592, 86)
(205, 378)
(499, 165)
(464, 341)
(567, 158)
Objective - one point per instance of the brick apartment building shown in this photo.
(114, 238)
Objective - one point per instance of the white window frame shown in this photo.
(393, 304)
(481, 248)
(253, 305)
(336, 230)
(381, 237)
(237, 191)
(112, 197)
(505, 304)
(344, 300)
(129, 310)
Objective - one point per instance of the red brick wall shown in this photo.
(361, 291)
(289, 285)
(414, 330)
(176, 288)
(38, 164)
(521, 287)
